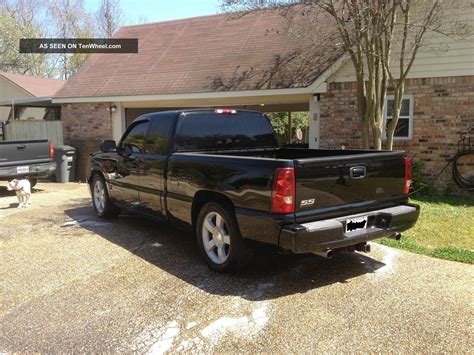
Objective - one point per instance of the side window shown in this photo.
(405, 124)
(159, 134)
(135, 139)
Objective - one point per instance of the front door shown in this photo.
(124, 186)
(152, 167)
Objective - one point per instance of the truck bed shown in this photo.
(324, 180)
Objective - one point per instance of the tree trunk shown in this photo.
(362, 111)
(377, 134)
(365, 133)
(289, 128)
(397, 105)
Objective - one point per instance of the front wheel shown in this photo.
(100, 199)
(219, 239)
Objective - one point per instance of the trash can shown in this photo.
(65, 158)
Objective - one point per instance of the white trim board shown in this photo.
(318, 86)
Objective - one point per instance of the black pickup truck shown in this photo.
(222, 173)
(30, 159)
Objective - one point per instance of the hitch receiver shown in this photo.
(363, 247)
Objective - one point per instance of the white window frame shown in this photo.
(410, 118)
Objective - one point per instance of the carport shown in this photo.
(125, 112)
(32, 118)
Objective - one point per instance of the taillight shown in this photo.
(406, 190)
(283, 194)
(225, 111)
(51, 150)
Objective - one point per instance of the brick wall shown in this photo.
(443, 110)
(85, 125)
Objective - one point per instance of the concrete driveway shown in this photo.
(72, 282)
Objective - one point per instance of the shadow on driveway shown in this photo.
(5, 193)
(270, 275)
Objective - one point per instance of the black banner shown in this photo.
(79, 45)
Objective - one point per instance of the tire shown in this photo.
(100, 199)
(33, 181)
(219, 239)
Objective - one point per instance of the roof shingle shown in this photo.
(205, 54)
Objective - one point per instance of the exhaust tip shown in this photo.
(397, 236)
(325, 253)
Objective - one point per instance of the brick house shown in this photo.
(252, 62)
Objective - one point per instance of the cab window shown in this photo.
(159, 134)
(135, 139)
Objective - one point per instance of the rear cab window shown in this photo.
(208, 130)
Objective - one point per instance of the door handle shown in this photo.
(21, 147)
(357, 172)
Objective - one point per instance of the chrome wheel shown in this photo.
(99, 196)
(216, 238)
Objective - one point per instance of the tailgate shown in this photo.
(323, 184)
(24, 152)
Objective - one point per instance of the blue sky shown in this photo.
(161, 10)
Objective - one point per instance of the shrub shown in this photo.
(421, 185)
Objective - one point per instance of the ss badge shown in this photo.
(307, 203)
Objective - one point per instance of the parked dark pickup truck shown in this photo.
(222, 173)
(30, 159)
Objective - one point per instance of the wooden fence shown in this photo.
(34, 129)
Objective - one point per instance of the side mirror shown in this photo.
(108, 146)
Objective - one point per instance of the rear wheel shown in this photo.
(219, 239)
(100, 199)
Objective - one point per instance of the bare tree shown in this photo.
(109, 17)
(382, 39)
(71, 20)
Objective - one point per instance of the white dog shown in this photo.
(23, 191)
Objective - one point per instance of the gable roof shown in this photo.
(205, 54)
(35, 85)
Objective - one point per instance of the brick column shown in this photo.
(85, 126)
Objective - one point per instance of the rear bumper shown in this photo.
(39, 170)
(330, 233)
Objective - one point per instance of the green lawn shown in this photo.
(444, 230)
